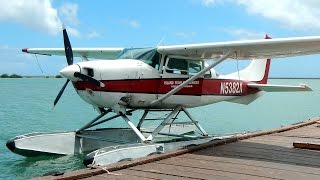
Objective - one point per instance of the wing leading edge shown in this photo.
(248, 49)
(96, 53)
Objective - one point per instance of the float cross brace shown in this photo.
(162, 125)
(166, 121)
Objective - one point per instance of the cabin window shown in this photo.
(195, 67)
(184, 66)
(177, 66)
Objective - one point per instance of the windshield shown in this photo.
(147, 55)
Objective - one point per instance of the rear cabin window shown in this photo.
(194, 67)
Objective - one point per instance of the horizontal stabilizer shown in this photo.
(280, 88)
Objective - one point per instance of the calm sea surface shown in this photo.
(26, 106)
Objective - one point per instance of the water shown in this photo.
(26, 106)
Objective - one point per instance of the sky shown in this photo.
(148, 23)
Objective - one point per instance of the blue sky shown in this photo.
(129, 23)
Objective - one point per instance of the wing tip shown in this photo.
(25, 50)
(306, 87)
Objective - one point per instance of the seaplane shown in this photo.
(171, 79)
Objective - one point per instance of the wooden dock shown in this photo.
(259, 155)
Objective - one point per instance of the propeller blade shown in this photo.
(67, 47)
(88, 79)
(60, 93)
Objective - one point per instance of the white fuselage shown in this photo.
(135, 84)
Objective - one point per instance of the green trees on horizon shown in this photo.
(10, 76)
(5, 75)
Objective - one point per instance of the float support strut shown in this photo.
(204, 133)
(161, 126)
(133, 127)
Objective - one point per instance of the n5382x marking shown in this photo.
(230, 87)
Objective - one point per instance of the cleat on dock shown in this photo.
(88, 160)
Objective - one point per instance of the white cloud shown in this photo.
(131, 23)
(40, 15)
(36, 14)
(209, 3)
(244, 34)
(93, 34)
(69, 13)
(73, 32)
(134, 24)
(185, 34)
(299, 14)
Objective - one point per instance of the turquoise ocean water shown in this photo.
(26, 106)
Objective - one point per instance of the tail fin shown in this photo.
(257, 71)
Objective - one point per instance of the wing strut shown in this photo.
(182, 85)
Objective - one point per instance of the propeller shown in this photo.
(67, 47)
(60, 93)
(69, 57)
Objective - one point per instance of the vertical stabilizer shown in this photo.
(257, 71)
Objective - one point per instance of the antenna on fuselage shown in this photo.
(161, 40)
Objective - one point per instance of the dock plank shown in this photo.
(241, 168)
(270, 150)
(250, 162)
(272, 156)
(151, 175)
(310, 131)
(279, 140)
(193, 172)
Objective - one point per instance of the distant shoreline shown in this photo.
(39, 76)
(7, 76)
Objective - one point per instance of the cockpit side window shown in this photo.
(180, 64)
(177, 66)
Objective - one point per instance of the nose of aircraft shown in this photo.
(68, 72)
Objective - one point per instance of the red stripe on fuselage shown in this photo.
(162, 86)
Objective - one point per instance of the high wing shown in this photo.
(248, 49)
(96, 53)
